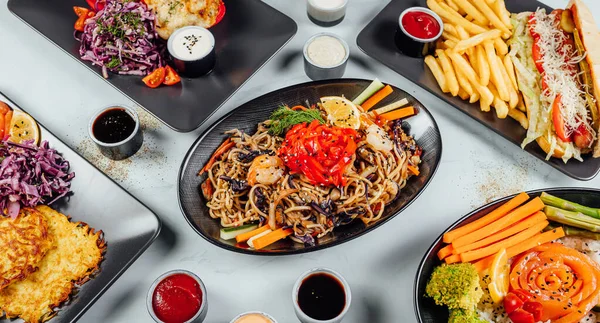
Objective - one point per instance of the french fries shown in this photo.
(472, 61)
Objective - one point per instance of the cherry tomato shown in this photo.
(80, 11)
(537, 56)
(559, 122)
(512, 303)
(535, 308)
(521, 316)
(522, 294)
(155, 78)
(582, 137)
(171, 77)
(96, 4)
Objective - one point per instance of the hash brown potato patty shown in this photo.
(174, 14)
(77, 253)
(23, 243)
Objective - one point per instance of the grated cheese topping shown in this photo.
(559, 62)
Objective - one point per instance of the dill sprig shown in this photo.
(284, 117)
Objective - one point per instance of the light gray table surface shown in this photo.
(477, 166)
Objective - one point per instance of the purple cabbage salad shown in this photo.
(121, 38)
(31, 175)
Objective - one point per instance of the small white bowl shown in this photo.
(254, 312)
(307, 319)
(320, 72)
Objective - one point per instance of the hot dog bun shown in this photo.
(588, 31)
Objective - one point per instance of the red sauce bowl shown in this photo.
(177, 296)
(418, 30)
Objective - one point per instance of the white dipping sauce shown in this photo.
(326, 51)
(327, 4)
(191, 43)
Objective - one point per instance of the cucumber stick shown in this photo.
(232, 232)
(375, 86)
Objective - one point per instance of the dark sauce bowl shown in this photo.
(414, 46)
(121, 149)
(303, 317)
(193, 67)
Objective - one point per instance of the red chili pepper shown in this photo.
(156, 78)
(320, 152)
(171, 77)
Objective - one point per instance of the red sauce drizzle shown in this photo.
(420, 24)
(177, 298)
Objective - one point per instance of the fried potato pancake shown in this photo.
(174, 14)
(76, 255)
(23, 243)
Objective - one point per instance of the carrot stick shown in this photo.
(506, 243)
(501, 211)
(299, 107)
(377, 97)
(413, 170)
(513, 229)
(272, 237)
(399, 114)
(225, 146)
(7, 120)
(246, 236)
(518, 214)
(445, 252)
(452, 259)
(534, 241)
(1, 128)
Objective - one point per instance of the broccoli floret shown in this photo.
(462, 316)
(456, 286)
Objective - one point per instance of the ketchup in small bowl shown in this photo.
(177, 296)
(418, 30)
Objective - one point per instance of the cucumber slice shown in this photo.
(232, 232)
(375, 86)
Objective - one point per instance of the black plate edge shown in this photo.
(317, 247)
(468, 215)
(446, 100)
(137, 255)
(93, 69)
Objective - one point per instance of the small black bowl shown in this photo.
(425, 308)
(197, 66)
(414, 46)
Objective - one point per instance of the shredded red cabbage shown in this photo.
(121, 38)
(31, 175)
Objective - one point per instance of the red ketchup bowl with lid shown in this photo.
(418, 30)
(177, 296)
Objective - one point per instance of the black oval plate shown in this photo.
(425, 308)
(246, 117)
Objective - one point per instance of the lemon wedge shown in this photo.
(22, 128)
(499, 276)
(341, 112)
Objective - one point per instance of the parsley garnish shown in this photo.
(284, 117)
(114, 62)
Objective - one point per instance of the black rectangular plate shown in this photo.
(245, 40)
(129, 227)
(377, 41)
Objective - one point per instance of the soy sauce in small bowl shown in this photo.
(321, 295)
(116, 131)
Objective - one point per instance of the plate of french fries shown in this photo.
(471, 68)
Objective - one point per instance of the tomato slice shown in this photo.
(171, 77)
(81, 11)
(521, 316)
(156, 78)
(535, 308)
(531, 23)
(522, 294)
(512, 302)
(557, 119)
(537, 56)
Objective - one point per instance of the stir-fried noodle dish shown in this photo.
(308, 170)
